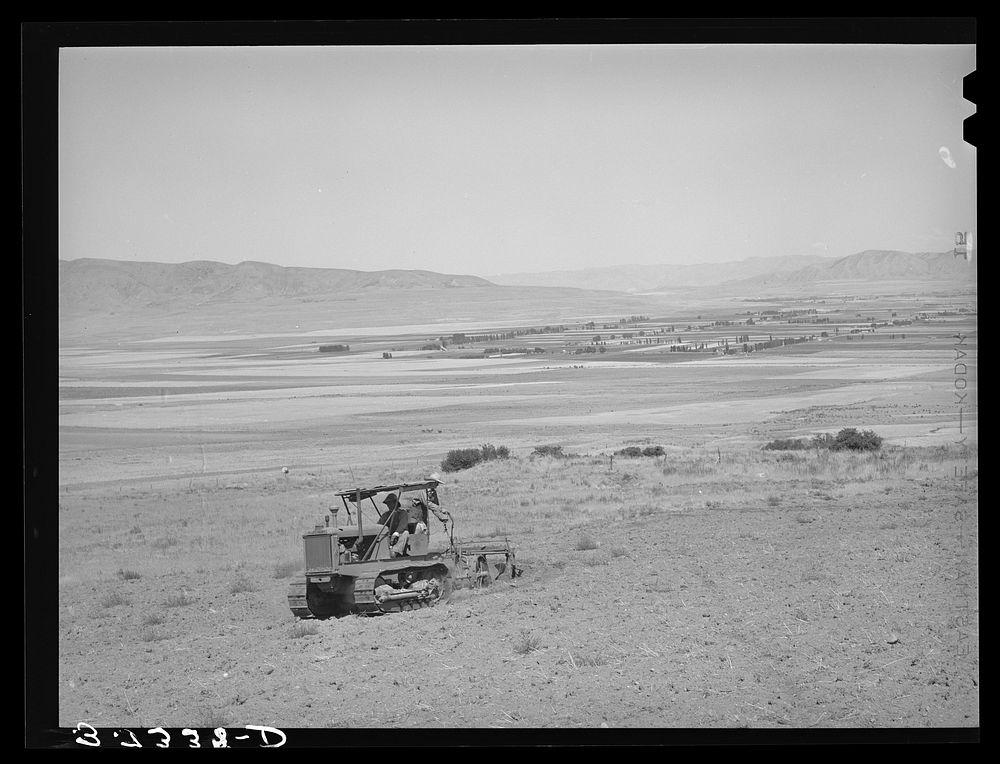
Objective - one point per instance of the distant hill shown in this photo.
(804, 270)
(874, 265)
(107, 285)
(642, 278)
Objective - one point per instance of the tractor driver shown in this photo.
(395, 520)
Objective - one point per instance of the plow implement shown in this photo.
(475, 557)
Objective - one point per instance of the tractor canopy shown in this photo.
(360, 494)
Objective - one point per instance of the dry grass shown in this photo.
(151, 634)
(587, 660)
(164, 542)
(178, 600)
(129, 575)
(527, 643)
(114, 599)
(242, 584)
(302, 629)
(287, 569)
(468, 592)
(535, 493)
(264, 528)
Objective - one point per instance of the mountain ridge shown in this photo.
(96, 284)
(873, 265)
(789, 270)
(638, 278)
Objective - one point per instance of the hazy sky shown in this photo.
(492, 159)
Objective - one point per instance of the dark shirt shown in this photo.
(417, 512)
(394, 520)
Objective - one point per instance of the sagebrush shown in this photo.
(848, 439)
(549, 450)
(464, 458)
(635, 451)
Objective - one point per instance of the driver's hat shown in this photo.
(391, 499)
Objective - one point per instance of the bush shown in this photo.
(635, 451)
(629, 451)
(788, 444)
(551, 450)
(463, 458)
(848, 439)
(851, 440)
(490, 452)
(823, 440)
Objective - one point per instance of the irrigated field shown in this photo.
(717, 585)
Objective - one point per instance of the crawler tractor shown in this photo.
(364, 568)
